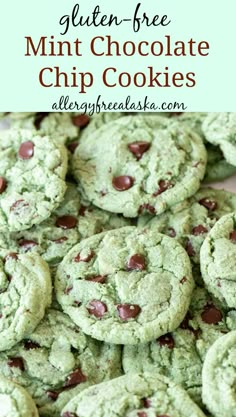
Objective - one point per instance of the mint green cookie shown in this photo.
(15, 400)
(179, 355)
(220, 129)
(190, 221)
(135, 395)
(139, 164)
(218, 260)
(219, 376)
(71, 222)
(126, 285)
(98, 120)
(217, 167)
(57, 361)
(25, 293)
(32, 178)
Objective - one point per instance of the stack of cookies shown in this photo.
(117, 265)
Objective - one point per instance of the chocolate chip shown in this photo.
(26, 150)
(60, 239)
(171, 232)
(209, 204)
(27, 244)
(163, 186)
(72, 146)
(66, 222)
(69, 414)
(146, 207)
(139, 148)
(122, 183)
(97, 308)
(101, 279)
(28, 345)
(199, 230)
(82, 210)
(189, 249)
(136, 262)
(211, 314)
(11, 255)
(53, 395)
(81, 120)
(232, 236)
(3, 184)
(75, 378)
(175, 114)
(87, 258)
(147, 402)
(128, 311)
(39, 117)
(68, 290)
(166, 340)
(19, 204)
(183, 280)
(142, 414)
(16, 363)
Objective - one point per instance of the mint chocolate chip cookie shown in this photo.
(134, 395)
(15, 400)
(190, 221)
(179, 355)
(220, 129)
(25, 293)
(32, 178)
(57, 361)
(139, 164)
(218, 377)
(218, 260)
(126, 285)
(71, 222)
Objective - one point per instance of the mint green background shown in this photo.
(199, 19)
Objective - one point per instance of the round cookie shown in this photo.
(125, 286)
(25, 293)
(179, 355)
(134, 395)
(139, 164)
(72, 221)
(57, 361)
(218, 377)
(32, 178)
(15, 400)
(218, 260)
(190, 221)
(220, 129)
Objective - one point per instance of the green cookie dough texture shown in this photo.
(218, 260)
(25, 292)
(179, 355)
(190, 221)
(99, 120)
(134, 395)
(126, 285)
(220, 129)
(15, 400)
(139, 164)
(71, 222)
(57, 361)
(32, 178)
(219, 375)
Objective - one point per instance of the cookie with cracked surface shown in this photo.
(125, 286)
(15, 400)
(218, 260)
(32, 178)
(25, 293)
(220, 129)
(139, 164)
(36, 363)
(218, 377)
(190, 222)
(134, 395)
(179, 355)
(71, 222)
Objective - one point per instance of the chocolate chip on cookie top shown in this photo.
(138, 148)
(123, 182)
(26, 150)
(3, 185)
